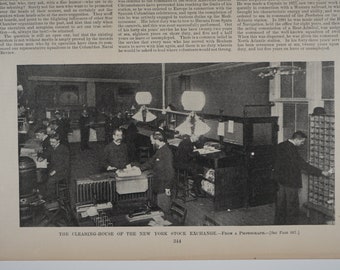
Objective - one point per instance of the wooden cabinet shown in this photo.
(321, 196)
(242, 172)
(228, 185)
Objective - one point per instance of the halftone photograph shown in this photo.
(176, 144)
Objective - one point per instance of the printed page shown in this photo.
(255, 59)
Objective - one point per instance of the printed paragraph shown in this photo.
(55, 24)
(174, 26)
(288, 25)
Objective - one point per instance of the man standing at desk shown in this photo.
(161, 164)
(84, 124)
(185, 160)
(287, 172)
(62, 128)
(116, 153)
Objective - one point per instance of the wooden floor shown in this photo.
(84, 163)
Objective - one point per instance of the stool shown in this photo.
(182, 184)
(144, 153)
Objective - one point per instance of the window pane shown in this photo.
(299, 87)
(327, 80)
(302, 124)
(286, 87)
(286, 83)
(329, 107)
(288, 120)
(302, 117)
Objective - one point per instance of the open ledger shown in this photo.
(275, 60)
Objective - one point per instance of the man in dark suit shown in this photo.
(46, 148)
(116, 153)
(162, 128)
(62, 128)
(131, 135)
(59, 167)
(185, 159)
(287, 173)
(84, 124)
(161, 164)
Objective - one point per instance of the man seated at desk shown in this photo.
(185, 159)
(116, 153)
(41, 135)
(59, 167)
(161, 164)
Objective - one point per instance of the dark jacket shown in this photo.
(161, 164)
(115, 156)
(185, 153)
(289, 164)
(84, 123)
(46, 149)
(60, 162)
(62, 130)
(131, 133)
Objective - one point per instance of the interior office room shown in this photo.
(72, 118)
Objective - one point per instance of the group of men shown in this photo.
(112, 122)
(287, 168)
(53, 136)
(116, 157)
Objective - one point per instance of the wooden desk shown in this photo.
(230, 179)
(212, 160)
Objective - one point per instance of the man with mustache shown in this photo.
(59, 167)
(116, 153)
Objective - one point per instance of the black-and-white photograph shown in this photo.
(176, 144)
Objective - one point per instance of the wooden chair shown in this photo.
(182, 185)
(178, 214)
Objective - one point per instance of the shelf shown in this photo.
(321, 195)
(327, 212)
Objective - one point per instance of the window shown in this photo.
(185, 82)
(328, 80)
(328, 86)
(294, 86)
(295, 117)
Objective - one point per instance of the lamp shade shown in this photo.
(143, 115)
(193, 100)
(143, 98)
(193, 125)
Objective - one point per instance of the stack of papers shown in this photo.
(204, 151)
(128, 172)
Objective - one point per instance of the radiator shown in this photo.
(101, 189)
(89, 191)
